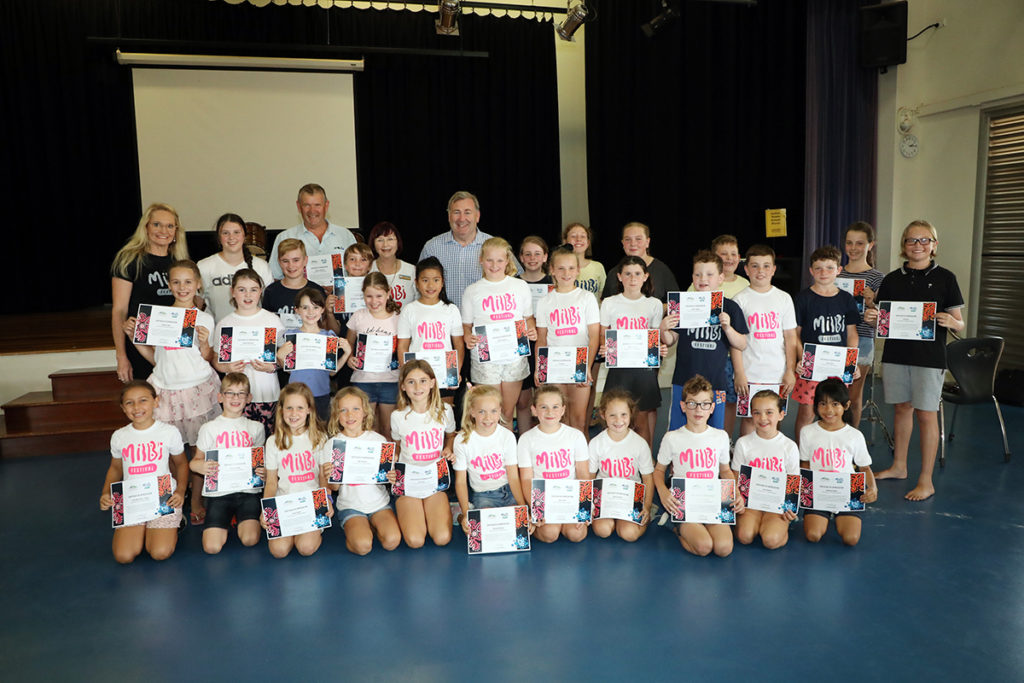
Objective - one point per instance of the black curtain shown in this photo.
(697, 130)
(426, 125)
(842, 105)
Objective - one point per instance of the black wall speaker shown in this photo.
(883, 34)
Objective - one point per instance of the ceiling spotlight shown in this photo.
(574, 18)
(668, 13)
(447, 23)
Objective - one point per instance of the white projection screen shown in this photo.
(212, 142)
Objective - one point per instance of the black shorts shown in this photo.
(241, 506)
(640, 382)
(830, 515)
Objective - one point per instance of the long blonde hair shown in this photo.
(435, 407)
(334, 425)
(135, 249)
(315, 428)
(500, 243)
(478, 392)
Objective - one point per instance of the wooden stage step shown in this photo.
(38, 411)
(54, 442)
(85, 383)
(77, 416)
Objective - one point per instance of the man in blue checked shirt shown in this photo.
(458, 250)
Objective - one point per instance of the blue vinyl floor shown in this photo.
(934, 591)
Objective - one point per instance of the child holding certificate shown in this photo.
(696, 451)
(498, 300)
(293, 462)
(634, 309)
(619, 452)
(552, 450)
(431, 322)
(229, 430)
(311, 306)
(533, 254)
(769, 449)
(485, 456)
(183, 379)
(859, 243)
(773, 345)
(246, 292)
(423, 428)
(832, 445)
(825, 316)
(364, 510)
(145, 448)
(915, 369)
(569, 316)
(379, 319)
(280, 295)
(707, 349)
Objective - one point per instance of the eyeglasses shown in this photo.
(235, 394)
(706, 405)
(911, 241)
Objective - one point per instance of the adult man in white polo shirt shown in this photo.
(458, 250)
(318, 234)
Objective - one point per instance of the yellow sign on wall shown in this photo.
(775, 222)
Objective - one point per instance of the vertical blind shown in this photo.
(1002, 253)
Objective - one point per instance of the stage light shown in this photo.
(574, 18)
(447, 23)
(668, 13)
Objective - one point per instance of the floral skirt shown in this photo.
(189, 409)
(262, 413)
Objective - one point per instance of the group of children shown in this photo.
(756, 347)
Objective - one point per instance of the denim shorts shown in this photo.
(865, 350)
(379, 392)
(348, 513)
(730, 382)
(498, 498)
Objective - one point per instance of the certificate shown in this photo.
(498, 530)
(562, 364)
(348, 294)
(375, 352)
(421, 481)
(445, 365)
(360, 462)
(704, 501)
(248, 343)
(311, 352)
(236, 470)
(769, 491)
(618, 499)
(320, 269)
(632, 348)
(167, 326)
(855, 286)
(821, 362)
(696, 309)
(139, 500)
(538, 291)
(501, 342)
(832, 491)
(296, 513)
(906, 320)
(743, 402)
(564, 501)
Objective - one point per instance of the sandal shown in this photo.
(197, 518)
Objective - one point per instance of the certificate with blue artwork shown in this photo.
(498, 530)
